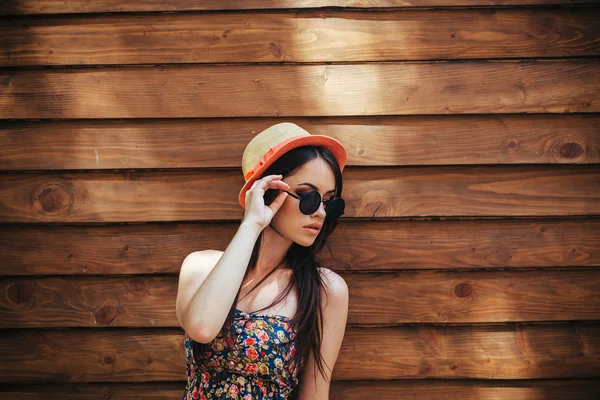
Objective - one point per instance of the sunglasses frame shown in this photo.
(326, 202)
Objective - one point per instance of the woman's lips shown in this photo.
(314, 231)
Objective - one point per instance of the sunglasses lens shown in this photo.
(336, 207)
(310, 202)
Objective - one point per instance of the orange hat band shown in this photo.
(266, 158)
(260, 163)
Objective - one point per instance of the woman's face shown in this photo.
(289, 220)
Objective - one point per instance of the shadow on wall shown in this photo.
(31, 93)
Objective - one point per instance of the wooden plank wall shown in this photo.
(471, 240)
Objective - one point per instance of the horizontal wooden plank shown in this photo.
(517, 351)
(466, 389)
(354, 246)
(432, 389)
(370, 141)
(384, 298)
(13, 7)
(145, 196)
(465, 87)
(316, 36)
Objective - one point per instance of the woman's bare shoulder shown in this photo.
(207, 254)
(333, 281)
(207, 258)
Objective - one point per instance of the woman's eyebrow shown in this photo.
(314, 187)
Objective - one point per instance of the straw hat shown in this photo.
(273, 142)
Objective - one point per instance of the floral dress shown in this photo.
(256, 363)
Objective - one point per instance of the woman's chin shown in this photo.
(306, 241)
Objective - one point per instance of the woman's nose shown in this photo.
(321, 210)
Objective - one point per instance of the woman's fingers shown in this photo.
(256, 209)
(267, 181)
(253, 185)
(271, 181)
(276, 204)
(263, 180)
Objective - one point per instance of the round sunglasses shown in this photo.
(310, 202)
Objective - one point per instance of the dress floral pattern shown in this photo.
(256, 363)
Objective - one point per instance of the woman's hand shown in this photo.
(256, 210)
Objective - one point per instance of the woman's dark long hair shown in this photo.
(306, 279)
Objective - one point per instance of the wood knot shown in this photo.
(105, 314)
(463, 289)
(424, 369)
(108, 360)
(570, 150)
(454, 367)
(21, 293)
(52, 199)
(55, 198)
(511, 145)
(275, 49)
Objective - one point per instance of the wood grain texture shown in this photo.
(466, 389)
(370, 141)
(443, 120)
(316, 36)
(529, 351)
(12, 7)
(465, 87)
(354, 246)
(385, 298)
(145, 196)
(432, 389)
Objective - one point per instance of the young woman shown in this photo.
(261, 317)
